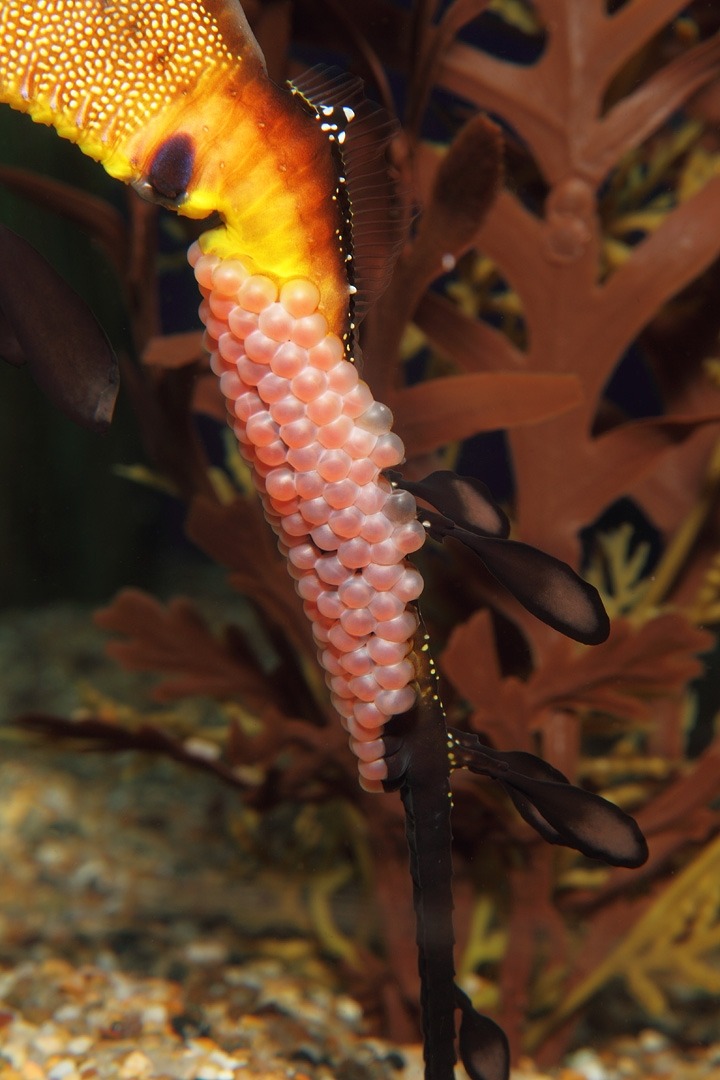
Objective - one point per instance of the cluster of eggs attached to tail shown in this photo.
(317, 442)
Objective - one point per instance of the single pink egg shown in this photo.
(310, 485)
(329, 659)
(257, 292)
(334, 434)
(309, 384)
(260, 348)
(262, 429)
(386, 605)
(357, 662)
(363, 471)
(305, 458)
(325, 538)
(250, 372)
(361, 733)
(360, 444)
(309, 330)
(386, 553)
(315, 511)
(373, 772)
(329, 568)
(299, 297)
(273, 389)
(395, 676)
(369, 716)
(340, 494)
(242, 322)
(202, 264)
(388, 451)
(299, 433)
(329, 604)
(276, 322)
(409, 537)
(376, 528)
(229, 275)
(325, 408)
(367, 750)
(320, 634)
(289, 360)
(410, 585)
(358, 622)
(304, 556)
(354, 553)
(334, 465)
(280, 484)
(339, 686)
(343, 377)
(218, 366)
(364, 687)
(230, 348)
(392, 702)
(327, 353)
(383, 576)
(401, 628)
(281, 506)
(358, 400)
(288, 408)
(342, 641)
(342, 706)
(309, 586)
(231, 386)
(275, 453)
(294, 525)
(220, 305)
(356, 593)
(346, 523)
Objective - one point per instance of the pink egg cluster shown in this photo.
(317, 441)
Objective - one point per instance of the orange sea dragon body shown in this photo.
(175, 100)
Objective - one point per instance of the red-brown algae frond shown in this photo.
(317, 441)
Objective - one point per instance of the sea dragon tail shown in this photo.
(419, 762)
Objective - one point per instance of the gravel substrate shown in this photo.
(139, 939)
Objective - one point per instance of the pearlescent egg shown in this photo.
(327, 353)
(299, 297)
(346, 523)
(369, 716)
(276, 322)
(242, 322)
(228, 275)
(256, 293)
(310, 330)
(289, 360)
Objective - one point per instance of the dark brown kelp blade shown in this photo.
(559, 811)
(484, 1049)
(547, 587)
(45, 324)
(463, 499)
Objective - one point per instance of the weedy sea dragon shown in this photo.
(174, 99)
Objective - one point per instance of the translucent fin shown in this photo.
(362, 133)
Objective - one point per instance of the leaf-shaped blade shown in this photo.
(582, 820)
(462, 499)
(560, 812)
(547, 587)
(454, 407)
(484, 1049)
(50, 328)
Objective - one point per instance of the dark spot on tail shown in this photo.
(172, 167)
